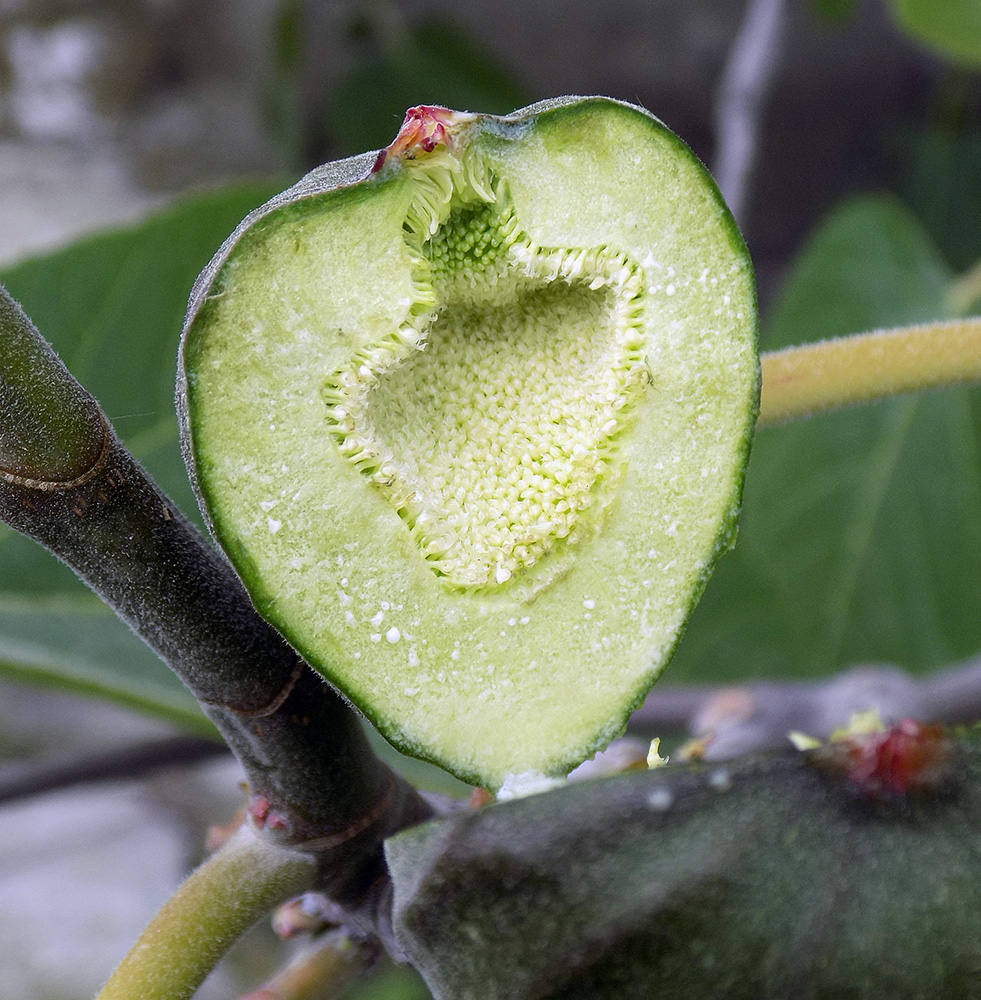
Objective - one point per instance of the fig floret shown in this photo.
(490, 423)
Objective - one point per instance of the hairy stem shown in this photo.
(73, 487)
(217, 903)
(52, 429)
(802, 381)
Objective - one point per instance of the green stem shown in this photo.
(802, 381)
(196, 926)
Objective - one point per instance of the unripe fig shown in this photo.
(470, 415)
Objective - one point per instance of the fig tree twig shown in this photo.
(217, 903)
(325, 970)
(19, 779)
(759, 715)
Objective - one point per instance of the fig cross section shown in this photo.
(470, 417)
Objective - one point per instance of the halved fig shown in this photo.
(470, 416)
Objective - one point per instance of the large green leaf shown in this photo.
(941, 168)
(861, 531)
(952, 27)
(80, 645)
(764, 879)
(112, 306)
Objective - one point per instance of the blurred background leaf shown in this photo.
(834, 12)
(427, 61)
(861, 534)
(952, 27)
(112, 306)
(940, 182)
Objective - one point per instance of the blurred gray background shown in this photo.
(107, 106)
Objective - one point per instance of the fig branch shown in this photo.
(67, 482)
(737, 720)
(23, 778)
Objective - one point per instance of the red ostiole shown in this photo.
(425, 127)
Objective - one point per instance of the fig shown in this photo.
(470, 416)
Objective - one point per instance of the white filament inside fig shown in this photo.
(490, 419)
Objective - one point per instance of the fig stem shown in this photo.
(757, 716)
(812, 378)
(215, 905)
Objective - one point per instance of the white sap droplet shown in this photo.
(274, 525)
(589, 604)
(516, 786)
(393, 634)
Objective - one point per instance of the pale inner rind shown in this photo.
(490, 418)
